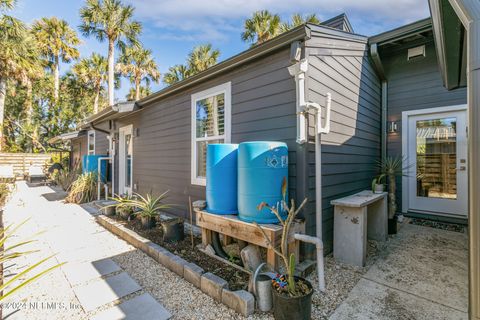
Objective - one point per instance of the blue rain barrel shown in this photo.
(90, 164)
(262, 166)
(221, 188)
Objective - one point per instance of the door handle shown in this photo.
(462, 168)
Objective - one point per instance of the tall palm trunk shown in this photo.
(111, 51)
(95, 101)
(29, 102)
(29, 109)
(3, 94)
(56, 78)
(137, 88)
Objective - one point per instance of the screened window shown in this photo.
(210, 124)
(91, 142)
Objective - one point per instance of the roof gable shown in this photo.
(340, 22)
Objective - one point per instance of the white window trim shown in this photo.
(88, 142)
(226, 89)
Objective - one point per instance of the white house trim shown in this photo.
(405, 164)
(226, 89)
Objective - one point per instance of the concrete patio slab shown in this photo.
(104, 291)
(143, 307)
(369, 300)
(78, 273)
(422, 274)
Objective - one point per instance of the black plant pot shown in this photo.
(392, 225)
(173, 230)
(147, 222)
(292, 308)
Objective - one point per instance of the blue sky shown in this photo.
(171, 27)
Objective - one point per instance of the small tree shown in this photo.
(292, 211)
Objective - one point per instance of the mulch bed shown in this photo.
(236, 279)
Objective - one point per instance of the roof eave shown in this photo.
(401, 32)
(257, 51)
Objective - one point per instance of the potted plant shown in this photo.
(148, 207)
(377, 185)
(292, 295)
(122, 207)
(391, 168)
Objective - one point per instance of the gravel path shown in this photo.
(86, 239)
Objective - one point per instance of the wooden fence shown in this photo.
(22, 161)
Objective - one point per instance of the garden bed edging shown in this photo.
(241, 301)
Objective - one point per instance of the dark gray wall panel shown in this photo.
(351, 148)
(414, 85)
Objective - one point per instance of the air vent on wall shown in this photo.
(417, 52)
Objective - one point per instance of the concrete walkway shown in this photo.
(90, 285)
(421, 275)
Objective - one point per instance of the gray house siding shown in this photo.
(414, 85)
(352, 147)
(263, 108)
(101, 143)
(78, 148)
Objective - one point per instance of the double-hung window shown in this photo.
(211, 111)
(91, 142)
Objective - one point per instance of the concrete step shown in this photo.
(98, 293)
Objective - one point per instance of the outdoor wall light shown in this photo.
(392, 127)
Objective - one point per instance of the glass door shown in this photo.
(125, 160)
(437, 161)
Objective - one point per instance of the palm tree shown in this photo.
(18, 55)
(176, 73)
(262, 26)
(132, 93)
(112, 21)
(297, 20)
(7, 4)
(93, 71)
(202, 57)
(57, 42)
(138, 64)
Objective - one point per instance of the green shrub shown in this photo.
(83, 189)
(65, 178)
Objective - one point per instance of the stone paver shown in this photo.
(82, 272)
(143, 307)
(96, 294)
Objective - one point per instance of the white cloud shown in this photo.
(211, 19)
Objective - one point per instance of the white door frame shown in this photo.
(121, 159)
(405, 145)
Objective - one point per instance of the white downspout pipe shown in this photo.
(320, 261)
(299, 70)
(99, 176)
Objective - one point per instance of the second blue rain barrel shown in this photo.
(262, 166)
(90, 164)
(221, 190)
